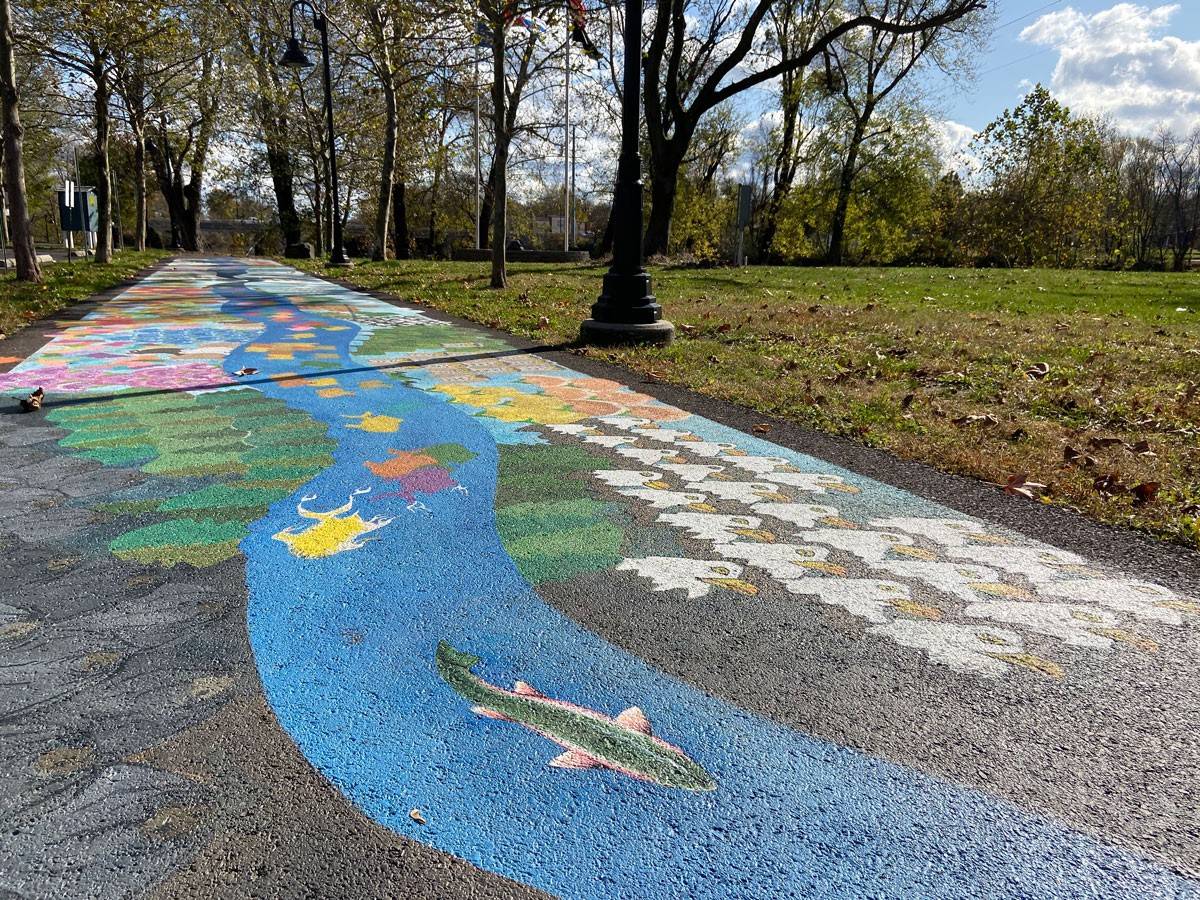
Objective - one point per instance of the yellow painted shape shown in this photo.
(321, 382)
(511, 405)
(914, 552)
(334, 392)
(1127, 637)
(1029, 661)
(373, 384)
(820, 565)
(329, 536)
(734, 584)
(1002, 590)
(378, 424)
(917, 609)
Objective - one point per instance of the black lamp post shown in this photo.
(626, 311)
(294, 57)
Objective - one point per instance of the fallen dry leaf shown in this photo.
(415, 815)
(1110, 485)
(1141, 448)
(1101, 443)
(1020, 486)
(1145, 492)
(761, 428)
(985, 419)
(1038, 370)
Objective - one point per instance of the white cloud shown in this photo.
(952, 140)
(1120, 64)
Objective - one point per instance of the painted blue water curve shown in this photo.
(345, 649)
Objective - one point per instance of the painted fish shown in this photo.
(589, 738)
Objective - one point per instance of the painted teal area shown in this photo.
(346, 646)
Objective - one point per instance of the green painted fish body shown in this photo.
(590, 739)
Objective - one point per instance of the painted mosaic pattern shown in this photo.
(415, 484)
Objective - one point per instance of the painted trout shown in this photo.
(589, 738)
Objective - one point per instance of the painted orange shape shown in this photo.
(402, 463)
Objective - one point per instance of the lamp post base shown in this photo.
(341, 263)
(593, 331)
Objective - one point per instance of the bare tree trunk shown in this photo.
(103, 163)
(400, 239)
(486, 206)
(664, 183)
(14, 170)
(837, 225)
(139, 188)
(387, 173)
(500, 160)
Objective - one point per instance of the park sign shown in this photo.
(77, 209)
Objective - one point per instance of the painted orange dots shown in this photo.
(602, 397)
(401, 463)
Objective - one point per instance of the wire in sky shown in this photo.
(1032, 12)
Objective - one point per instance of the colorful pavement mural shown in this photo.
(489, 588)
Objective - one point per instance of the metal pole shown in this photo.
(337, 255)
(82, 206)
(574, 158)
(478, 196)
(626, 311)
(567, 142)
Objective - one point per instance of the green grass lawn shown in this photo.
(928, 363)
(64, 284)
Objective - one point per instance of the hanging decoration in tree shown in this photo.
(578, 16)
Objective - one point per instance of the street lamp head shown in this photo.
(294, 56)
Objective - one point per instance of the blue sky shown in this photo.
(1137, 63)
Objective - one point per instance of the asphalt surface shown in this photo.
(217, 635)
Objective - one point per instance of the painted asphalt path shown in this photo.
(312, 594)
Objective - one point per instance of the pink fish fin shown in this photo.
(489, 713)
(526, 690)
(634, 719)
(575, 759)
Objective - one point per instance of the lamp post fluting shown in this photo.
(294, 57)
(626, 312)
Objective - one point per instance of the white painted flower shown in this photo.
(630, 477)
(869, 546)
(1072, 625)
(868, 598)
(813, 482)
(1138, 598)
(695, 576)
(757, 464)
(1038, 564)
(947, 532)
(657, 499)
(739, 491)
(783, 562)
(950, 577)
(644, 456)
(715, 527)
(806, 515)
(965, 648)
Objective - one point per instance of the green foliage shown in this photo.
(222, 453)
(63, 284)
(1046, 183)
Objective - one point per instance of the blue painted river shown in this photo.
(345, 648)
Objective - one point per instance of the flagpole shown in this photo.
(478, 199)
(567, 144)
